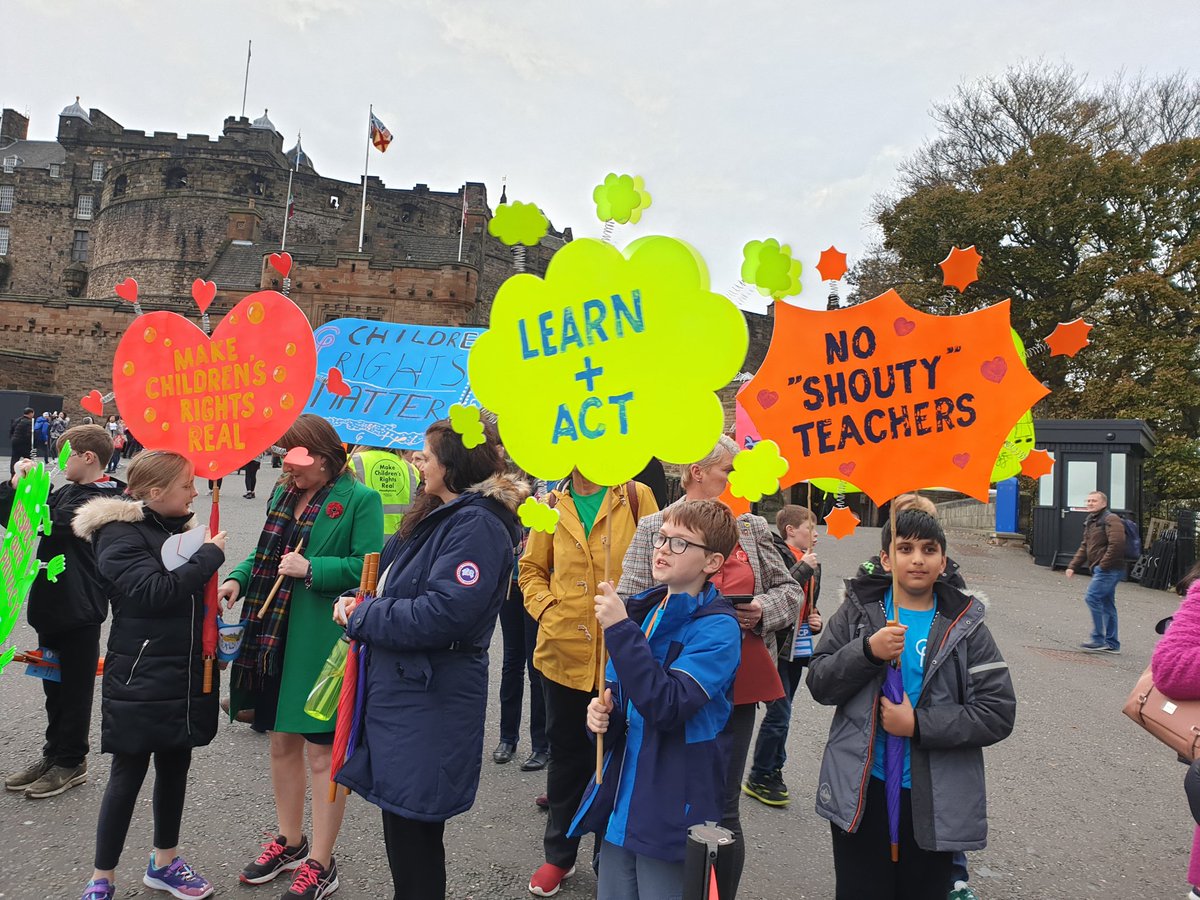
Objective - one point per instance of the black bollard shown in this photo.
(708, 846)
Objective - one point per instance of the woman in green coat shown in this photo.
(339, 521)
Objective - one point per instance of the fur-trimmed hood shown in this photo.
(503, 488)
(95, 514)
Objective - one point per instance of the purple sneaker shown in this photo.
(178, 879)
(100, 889)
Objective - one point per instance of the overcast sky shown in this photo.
(747, 119)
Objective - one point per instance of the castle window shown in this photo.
(3, 240)
(120, 186)
(258, 185)
(10, 163)
(408, 212)
(97, 171)
(85, 206)
(79, 247)
(176, 178)
(56, 170)
(6, 198)
(334, 201)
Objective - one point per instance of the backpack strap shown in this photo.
(631, 495)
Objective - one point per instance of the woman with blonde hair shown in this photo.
(321, 522)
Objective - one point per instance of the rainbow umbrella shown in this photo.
(212, 610)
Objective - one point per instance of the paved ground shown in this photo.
(1083, 803)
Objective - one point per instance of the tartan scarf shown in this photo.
(262, 639)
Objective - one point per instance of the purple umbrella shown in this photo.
(893, 771)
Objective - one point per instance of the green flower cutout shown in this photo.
(621, 198)
(465, 421)
(769, 266)
(537, 516)
(518, 223)
(756, 472)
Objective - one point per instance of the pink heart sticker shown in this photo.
(203, 293)
(961, 459)
(767, 399)
(298, 456)
(127, 290)
(904, 326)
(994, 369)
(846, 469)
(281, 263)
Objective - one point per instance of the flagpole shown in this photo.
(362, 218)
(463, 226)
(287, 207)
(246, 84)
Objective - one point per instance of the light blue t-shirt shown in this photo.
(912, 669)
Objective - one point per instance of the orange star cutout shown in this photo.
(1069, 338)
(832, 264)
(961, 267)
(737, 505)
(1037, 464)
(841, 522)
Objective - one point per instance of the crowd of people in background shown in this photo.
(706, 617)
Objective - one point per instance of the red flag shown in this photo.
(380, 136)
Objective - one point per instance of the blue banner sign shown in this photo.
(401, 379)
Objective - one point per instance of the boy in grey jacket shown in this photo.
(958, 699)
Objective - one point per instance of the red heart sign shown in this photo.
(93, 403)
(127, 290)
(218, 401)
(203, 293)
(767, 399)
(281, 263)
(904, 326)
(335, 384)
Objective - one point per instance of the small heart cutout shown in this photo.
(994, 369)
(298, 456)
(846, 469)
(767, 399)
(281, 263)
(961, 459)
(904, 326)
(93, 403)
(127, 290)
(335, 384)
(203, 293)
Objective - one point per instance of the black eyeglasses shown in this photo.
(677, 544)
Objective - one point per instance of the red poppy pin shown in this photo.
(334, 510)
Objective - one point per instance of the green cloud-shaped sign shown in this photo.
(756, 472)
(465, 421)
(621, 198)
(769, 266)
(538, 516)
(518, 223)
(620, 354)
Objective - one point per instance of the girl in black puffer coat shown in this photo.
(153, 701)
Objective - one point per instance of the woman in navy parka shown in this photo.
(442, 579)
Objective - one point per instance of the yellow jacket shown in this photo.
(559, 574)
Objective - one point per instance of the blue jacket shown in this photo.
(672, 694)
(426, 663)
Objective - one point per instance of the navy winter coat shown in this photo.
(427, 636)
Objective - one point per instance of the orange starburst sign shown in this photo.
(961, 267)
(832, 264)
(841, 522)
(890, 398)
(1069, 338)
(1037, 464)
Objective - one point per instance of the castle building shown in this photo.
(101, 203)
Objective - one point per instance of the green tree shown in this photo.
(1082, 204)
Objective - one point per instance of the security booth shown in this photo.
(1104, 455)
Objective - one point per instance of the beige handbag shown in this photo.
(1174, 722)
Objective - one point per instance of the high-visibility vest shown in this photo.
(393, 478)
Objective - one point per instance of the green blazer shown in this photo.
(336, 547)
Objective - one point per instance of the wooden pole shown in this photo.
(262, 610)
(601, 654)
